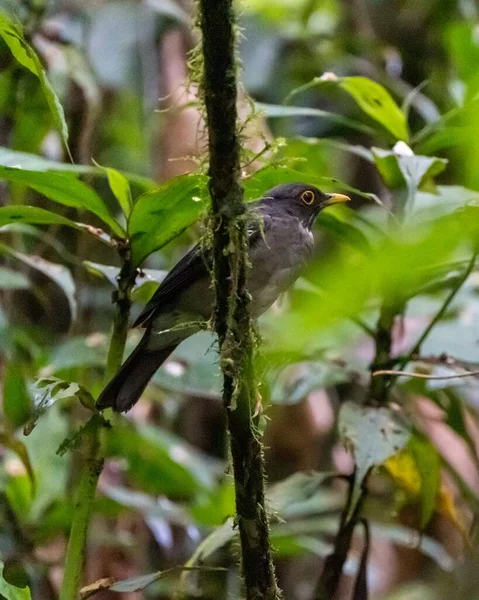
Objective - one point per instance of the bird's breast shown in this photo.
(277, 260)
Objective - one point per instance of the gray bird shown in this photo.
(280, 243)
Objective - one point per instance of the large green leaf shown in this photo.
(372, 434)
(376, 102)
(33, 215)
(274, 111)
(370, 96)
(26, 56)
(160, 462)
(64, 188)
(159, 216)
(33, 162)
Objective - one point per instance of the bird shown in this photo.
(280, 243)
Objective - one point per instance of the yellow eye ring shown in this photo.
(307, 197)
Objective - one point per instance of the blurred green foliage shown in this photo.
(377, 98)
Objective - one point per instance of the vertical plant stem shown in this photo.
(122, 300)
(333, 566)
(379, 386)
(91, 463)
(232, 316)
(91, 467)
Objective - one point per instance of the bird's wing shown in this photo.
(193, 266)
(190, 268)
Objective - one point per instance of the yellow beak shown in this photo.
(336, 199)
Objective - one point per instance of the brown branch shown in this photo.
(232, 314)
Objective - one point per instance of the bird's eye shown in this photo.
(307, 197)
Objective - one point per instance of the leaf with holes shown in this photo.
(48, 390)
(159, 216)
(26, 56)
(372, 434)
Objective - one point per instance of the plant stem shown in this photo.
(122, 300)
(333, 565)
(91, 467)
(92, 460)
(232, 315)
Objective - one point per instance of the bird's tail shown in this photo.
(125, 389)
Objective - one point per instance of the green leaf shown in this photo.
(276, 173)
(195, 370)
(136, 584)
(213, 509)
(416, 172)
(110, 273)
(9, 591)
(13, 280)
(296, 381)
(159, 216)
(273, 111)
(64, 188)
(160, 462)
(17, 405)
(213, 542)
(372, 434)
(57, 273)
(120, 188)
(26, 56)
(42, 445)
(33, 162)
(7, 440)
(428, 464)
(376, 102)
(150, 506)
(303, 494)
(32, 214)
(78, 351)
(371, 97)
(48, 390)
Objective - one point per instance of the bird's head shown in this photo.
(301, 200)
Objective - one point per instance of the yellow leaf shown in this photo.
(404, 472)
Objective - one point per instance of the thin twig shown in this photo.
(398, 373)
